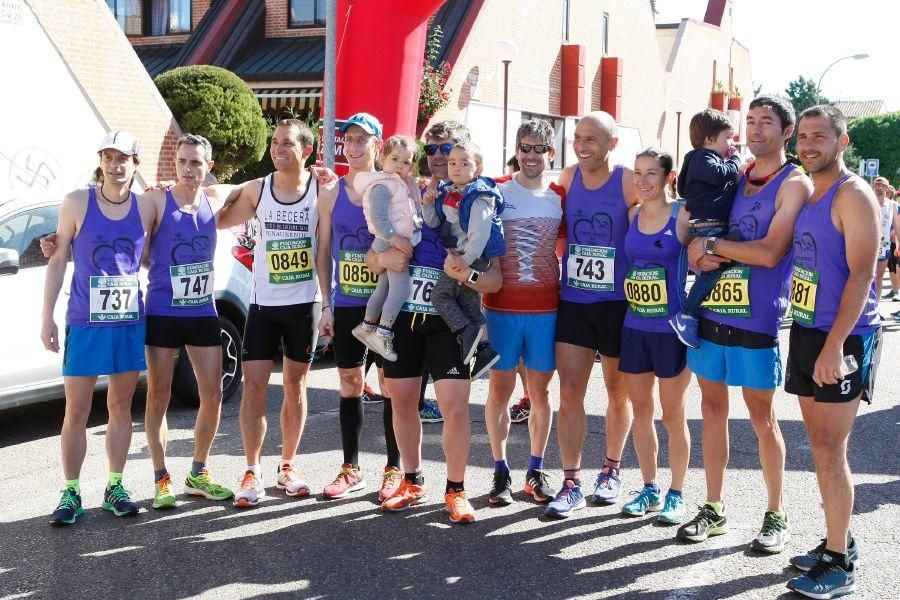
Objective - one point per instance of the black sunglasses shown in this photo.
(432, 149)
(539, 148)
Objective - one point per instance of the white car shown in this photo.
(28, 372)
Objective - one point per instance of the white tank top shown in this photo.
(284, 259)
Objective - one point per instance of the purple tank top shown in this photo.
(595, 265)
(820, 270)
(768, 287)
(181, 262)
(352, 281)
(425, 268)
(107, 256)
(656, 262)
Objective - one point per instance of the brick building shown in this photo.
(573, 56)
(79, 83)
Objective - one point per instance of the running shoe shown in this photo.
(891, 295)
(117, 500)
(501, 495)
(826, 579)
(251, 492)
(685, 327)
(458, 507)
(69, 508)
(520, 411)
(805, 562)
(390, 483)
(203, 485)
(706, 524)
(408, 495)
(485, 358)
(673, 511)
(468, 338)
(569, 499)
(369, 396)
(644, 501)
(363, 332)
(608, 486)
(896, 315)
(431, 413)
(163, 497)
(383, 345)
(291, 482)
(538, 485)
(774, 533)
(348, 480)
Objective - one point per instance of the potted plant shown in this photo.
(717, 98)
(735, 99)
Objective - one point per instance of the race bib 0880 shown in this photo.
(645, 291)
(591, 268)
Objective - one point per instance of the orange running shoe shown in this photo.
(390, 483)
(251, 491)
(291, 482)
(408, 495)
(459, 508)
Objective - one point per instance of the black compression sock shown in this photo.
(390, 440)
(416, 478)
(351, 418)
(454, 486)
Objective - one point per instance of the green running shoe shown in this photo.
(69, 508)
(117, 500)
(203, 485)
(706, 524)
(164, 497)
(774, 534)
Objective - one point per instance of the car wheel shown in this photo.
(184, 383)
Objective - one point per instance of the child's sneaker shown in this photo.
(685, 327)
(468, 338)
(485, 358)
(383, 344)
(363, 332)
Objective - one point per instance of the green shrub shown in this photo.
(217, 104)
(876, 137)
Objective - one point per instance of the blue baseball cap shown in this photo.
(368, 123)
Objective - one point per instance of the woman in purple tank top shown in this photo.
(654, 288)
(105, 228)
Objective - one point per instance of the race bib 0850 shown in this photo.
(591, 268)
(354, 277)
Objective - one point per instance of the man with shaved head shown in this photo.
(592, 306)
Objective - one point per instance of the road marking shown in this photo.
(250, 590)
(700, 574)
(112, 551)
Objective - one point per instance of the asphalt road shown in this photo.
(312, 548)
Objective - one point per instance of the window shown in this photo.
(23, 231)
(559, 140)
(163, 17)
(307, 13)
(605, 34)
(565, 16)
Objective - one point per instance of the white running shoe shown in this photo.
(251, 491)
(291, 482)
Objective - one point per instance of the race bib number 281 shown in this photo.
(591, 268)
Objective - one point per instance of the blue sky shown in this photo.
(788, 38)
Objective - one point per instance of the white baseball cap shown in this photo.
(122, 141)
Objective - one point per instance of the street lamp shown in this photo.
(507, 52)
(853, 56)
(680, 106)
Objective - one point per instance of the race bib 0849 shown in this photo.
(731, 295)
(114, 299)
(423, 280)
(354, 277)
(192, 285)
(645, 291)
(290, 260)
(591, 268)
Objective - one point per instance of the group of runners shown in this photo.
(595, 263)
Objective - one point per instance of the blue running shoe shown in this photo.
(673, 510)
(805, 562)
(69, 508)
(685, 327)
(608, 486)
(431, 413)
(825, 580)
(117, 500)
(570, 498)
(644, 501)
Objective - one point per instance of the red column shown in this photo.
(571, 101)
(611, 86)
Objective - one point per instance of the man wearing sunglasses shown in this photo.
(521, 317)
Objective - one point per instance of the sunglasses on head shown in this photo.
(539, 148)
(432, 149)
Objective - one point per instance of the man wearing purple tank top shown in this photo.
(739, 324)
(105, 227)
(834, 345)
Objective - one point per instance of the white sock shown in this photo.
(256, 470)
(283, 462)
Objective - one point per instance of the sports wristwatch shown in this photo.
(709, 245)
(474, 275)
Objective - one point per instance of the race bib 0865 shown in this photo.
(731, 295)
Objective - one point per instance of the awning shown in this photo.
(289, 99)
